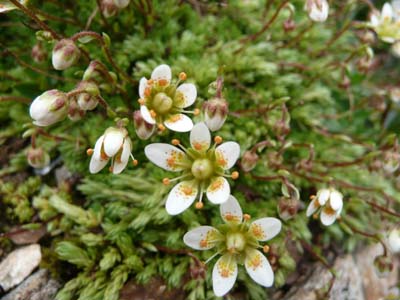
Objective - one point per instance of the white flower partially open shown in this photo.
(204, 168)
(237, 241)
(330, 202)
(317, 10)
(386, 23)
(163, 101)
(114, 144)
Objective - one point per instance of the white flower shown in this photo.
(331, 203)
(386, 24)
(49, 108)
(65, 54)
(237, 241)
(317, 10)
(203, 167)
(6, 6)
(394, 240)
(38, 157)
(163, 102)
(143, 129)
(115, 144)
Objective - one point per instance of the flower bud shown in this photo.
(109, 8)
(37, 158)
(121, 3)
(289, 25)
(366, 36)
(395, 95)
(287, 208)
(38, 53)
(383, 265)
(49, 108)
(88, 100)
(215, 111)
(394, 240)
(391, 161)
(249, 161)
(317, 10)
(143, 129)
(65, 54)
(75, 113)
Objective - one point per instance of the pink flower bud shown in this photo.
(215, 111)
(49, 108)
(65, 54)
(88, 100)
(143, 129)
(38, 53)
(287, 208)
(384, 265)
(75, 113)
(317, 10)
(249, 161)
(37, 158)
(109, 8)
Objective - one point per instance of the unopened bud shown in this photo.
(289, 25)
(391, 161)
(287, 208)
(383, 265)
(249, 161)
(143, 129)
(215, 112)
(88, 100)
(75, 113)
(108, 8)
(317, 10)
(121, 3)
(65, 54)
(49, 108)
(37, 158)
(367, 36)
(38, 53)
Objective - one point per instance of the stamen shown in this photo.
(315, 216)
(312, 197)
(196, 111)
(182, 76)
(212, 256)
(175, 142)
(199, 205)
(141, 101)
(166, 181)
(162, 82)
(150, 81)
(135, 162)
(218, 140)
(266, 249)
(246, 217)
(161, 127)
(89, 151)
(153, 114)
(235, 175)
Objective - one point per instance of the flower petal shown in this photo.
(179, 123)
(224, 275)
(120, 163)
(165, 156)
(227, 154)
(162, 72)
(113, 141)
(200, 137)
(201, 238)
(328, 216)
(265, 229)
(187, 94)
(96, 165)
(312, 207)
(336, 200)
(181, 197)
(219, 190)
(387, 11)
(323, 196)
(142, 87)
(231, 210)
(258, 268)
(97, 147)
(146, 115)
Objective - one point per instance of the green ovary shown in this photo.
(202, 169)
(235, 242)
(162, 103)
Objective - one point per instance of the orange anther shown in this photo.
(150, 81)
(110, 168)
(218, 139)
(266, 249)
(175, 142)
(153, 114)
(141, 101)
(135, 162)
(199, 205)
(246, 217)
(182, 76)
(235, 175)
(162, 82)
(161, 127)
(166, 181)
(89, 151)
(196, 111)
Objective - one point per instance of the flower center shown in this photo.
(235, 242)
(162, 103)
(202, 168)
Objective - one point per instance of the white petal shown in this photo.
(181, 197)
(387, 11)
(201, 238)
(165, 156)
(179, 123)
(219, 190)
(394, 240)
(200, 137)
(258, 267)
(328, 217)
(265, 229)
(224, 275)
(113, 141)
(96, 162)
(231, 210)
(120, 165)
(188, 92)
(323, 196)
(336, 200)
(146, 115)
(214, 123)
(142, 87)
(227, 154)
(374, 20)
(312, 207)
(162, 72)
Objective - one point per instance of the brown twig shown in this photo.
(15, 98)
